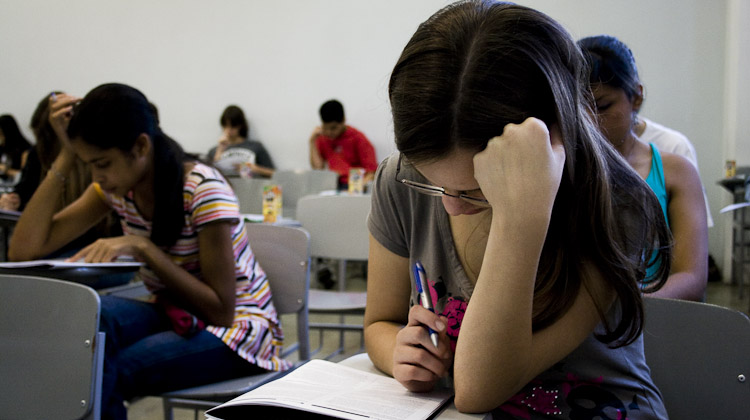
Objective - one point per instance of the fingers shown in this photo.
(317, 131)
(555, 137)
(60, 112)
(419, 316)
(413, 365)
(99, 251)
(62, 104)
(416, 358)
(10, 201)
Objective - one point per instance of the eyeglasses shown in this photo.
(435, 190)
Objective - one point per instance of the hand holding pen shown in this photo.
(422, 355)
(423, 290)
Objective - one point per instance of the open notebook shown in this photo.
(63, 264)
(323, 389)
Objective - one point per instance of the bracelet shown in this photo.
(57, 173)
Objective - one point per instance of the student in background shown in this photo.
(13, 147)
(39, 159)
(665, 138)
(529, 225)
(212, 317)
(339, 146)
(38, 163)
(675, 181)
(235, 149)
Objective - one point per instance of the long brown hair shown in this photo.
(476, 66)
(48, 146)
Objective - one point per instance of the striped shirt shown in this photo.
(256, 332)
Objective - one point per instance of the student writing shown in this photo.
(530, 227)
(212, 317)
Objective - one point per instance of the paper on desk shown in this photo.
(734, 206)
(60, 264)
(10, 213)
(331, 389)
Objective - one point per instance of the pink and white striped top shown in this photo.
(256, 333)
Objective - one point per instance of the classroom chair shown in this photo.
(249, 192)
(284, 254)
(51, 350)
(338, 230)
(699, 355)
(298, 183)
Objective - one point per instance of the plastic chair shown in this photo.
(338, 230)
(51, 353)
(699, 355)
(249, 192)
(298, 183)
(284, 254)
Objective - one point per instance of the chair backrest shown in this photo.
(249, 193)
(50, 349)
(284, 254)
(337, 225)
(699, 355)
(298, 183)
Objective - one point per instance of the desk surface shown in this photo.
(362, 362)
(732, 184)
(88, 275)
(282, 221)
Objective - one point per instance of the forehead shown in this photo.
(601, 90)
(88, 153)
(454, 171)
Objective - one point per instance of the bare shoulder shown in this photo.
(678, 170)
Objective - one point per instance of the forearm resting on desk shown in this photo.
(40, 231)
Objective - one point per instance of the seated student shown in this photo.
(39, 160)
(38, 163)
(13, 147)
(664, 138)
(339, 146)
(235, 149)
(668, 140)
(530, 227)
(675, 181)
(212, 317)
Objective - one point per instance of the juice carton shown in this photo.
(271, 203)
(730, 169)
(356, 180)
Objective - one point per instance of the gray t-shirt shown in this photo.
(248, 151)
(592, 382)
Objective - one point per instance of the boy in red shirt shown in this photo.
(339, 146)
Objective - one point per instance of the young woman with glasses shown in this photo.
(530, 227)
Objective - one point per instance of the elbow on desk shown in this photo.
(472, 404)
(17, 253)
(21, 250)
(473, 397)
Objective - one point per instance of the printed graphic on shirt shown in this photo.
(232, 158)
(571, 398)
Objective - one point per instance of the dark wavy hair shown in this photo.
(47, 148)
(476, 66)
(331, 111)
(611, 63)
(15, 143)
(113, 116)
(233, 116)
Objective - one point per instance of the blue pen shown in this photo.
(423, 290)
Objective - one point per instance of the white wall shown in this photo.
(280, 60)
